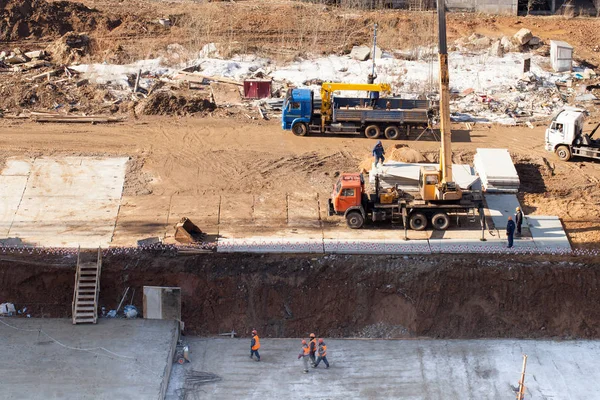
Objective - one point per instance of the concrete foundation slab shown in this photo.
(66, 201)
(50, 364)
(396, 369)
(502, 206)
(18, 166)
(548, 233)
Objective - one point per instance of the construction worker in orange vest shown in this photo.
(304, 354)
(322, 354)
(255, 345)
(312, 346)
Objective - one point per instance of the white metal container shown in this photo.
(561, 56)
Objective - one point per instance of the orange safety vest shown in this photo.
(313, 345)
(256, 343)
(305, 349)
(322, 350)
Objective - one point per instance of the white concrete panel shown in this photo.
(502, 206)
(84, 233)
(12, 186)
(70, 177)
(67, 208)
(17, 166)
(548, 233)
(406, 175)
(69, 201)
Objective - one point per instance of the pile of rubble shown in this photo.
(532, 96)
(522, 41)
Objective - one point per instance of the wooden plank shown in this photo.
(198, 78)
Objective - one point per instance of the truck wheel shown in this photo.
(392, 132)
(563, 153)
(440, 221)
(418, 221)
(372, 131)
(354, 220)
(300, 129)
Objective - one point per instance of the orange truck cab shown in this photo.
(347, 199)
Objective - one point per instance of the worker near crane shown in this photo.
(373, 95)
(519, 220)
(378, 153)
(304, 355)
(255, 345)
(312, 347)
(510, 231)
(322, 354)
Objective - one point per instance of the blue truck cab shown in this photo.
(297, 108)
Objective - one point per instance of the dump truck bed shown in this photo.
(389, 110)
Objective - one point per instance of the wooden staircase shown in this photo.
(87, 289)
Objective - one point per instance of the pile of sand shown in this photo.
(397, 152)
(403, 153)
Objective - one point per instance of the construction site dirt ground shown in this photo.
(186, 164)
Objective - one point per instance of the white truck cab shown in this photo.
(565, 135)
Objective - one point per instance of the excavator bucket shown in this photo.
(187, 232)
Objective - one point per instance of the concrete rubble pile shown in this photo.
(496, 170)
(532, 97)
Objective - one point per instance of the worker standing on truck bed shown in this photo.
(510, 231)
(304, 354)
(519, 220)
(312, 349)
(255, 345)
(322, 354)
(374, 96)
(378, 152)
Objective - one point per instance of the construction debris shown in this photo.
(187, 232)
(56, 117)
(523, 36)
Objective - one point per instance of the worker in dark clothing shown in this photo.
(373, 95)
(519, 220)
(322, 354)
(312, 347)
(255, 345)
(378, 152)
(510, 231)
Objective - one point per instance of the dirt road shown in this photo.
(229, 156)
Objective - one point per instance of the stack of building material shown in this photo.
(405, 176)
(496, 170)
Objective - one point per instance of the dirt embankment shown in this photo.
(374, 296)
(20, 19)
